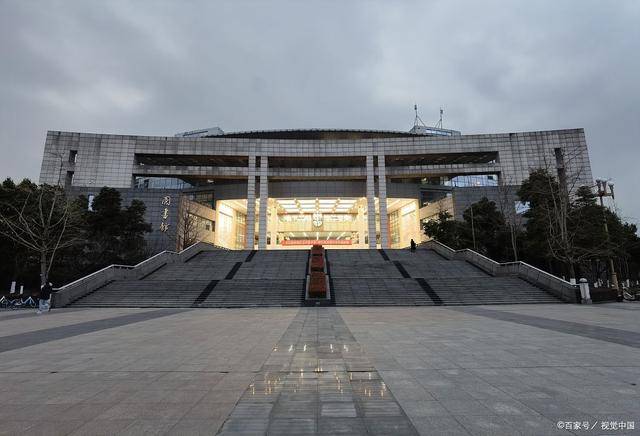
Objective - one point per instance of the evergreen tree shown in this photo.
(535, 192)
(94, 239)
(625, 245)
(39, 219)
(489, 228)
(115, 234)
(573, 236)
(133, 243)
(17, 263)
(482, 222)
(454, 234)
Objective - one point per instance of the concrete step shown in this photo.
(371, 277)
(373, 291)
(359, 277)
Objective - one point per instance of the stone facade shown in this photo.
(255, 167)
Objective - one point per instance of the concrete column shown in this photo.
(362, 226)
(251, 203)
(371, 205)
(264, 197)
(273, 225)
(382, 196)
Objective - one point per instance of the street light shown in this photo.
(59, 156)
(603, 192)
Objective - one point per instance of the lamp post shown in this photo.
(473, 230)
(59, 156)
(603, 192)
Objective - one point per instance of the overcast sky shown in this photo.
(159, 67)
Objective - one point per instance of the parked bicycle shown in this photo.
(17, 303)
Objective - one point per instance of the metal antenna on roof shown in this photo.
(418, 121)
(439, 124)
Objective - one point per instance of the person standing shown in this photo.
(413, 245)
(44, 303)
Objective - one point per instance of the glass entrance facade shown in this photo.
(334, 222)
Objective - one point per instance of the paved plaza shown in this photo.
(526, 369)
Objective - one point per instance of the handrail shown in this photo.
(153, 257)
(81, 279)
(76, 289)
(541, 271)
(559, 287)
(516, 262)
(117, 265)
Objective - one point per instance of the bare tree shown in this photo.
(565, 224)
(189, 229)
(44, 222)
(505, 200)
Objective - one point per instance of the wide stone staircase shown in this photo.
(219, 278)
(365, 278)
(246, 278)
(402, 277)
(269, 278)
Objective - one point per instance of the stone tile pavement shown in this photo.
(387, 370)
(318, 380)
(179, 373)
(462, 371)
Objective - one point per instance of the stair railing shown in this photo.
(78, 288)
(562, 289)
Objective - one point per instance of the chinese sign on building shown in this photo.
(166, 202)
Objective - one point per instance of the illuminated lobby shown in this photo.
(298, 223)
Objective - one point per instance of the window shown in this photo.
(472, 180)
(431, 196)
(394, 227)
(205, 198)
(159, 183)
(205, 224)
(69, 179)
(241, 230)
(559, 157)
(73, 155)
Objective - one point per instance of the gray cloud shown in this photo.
(159, 67)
